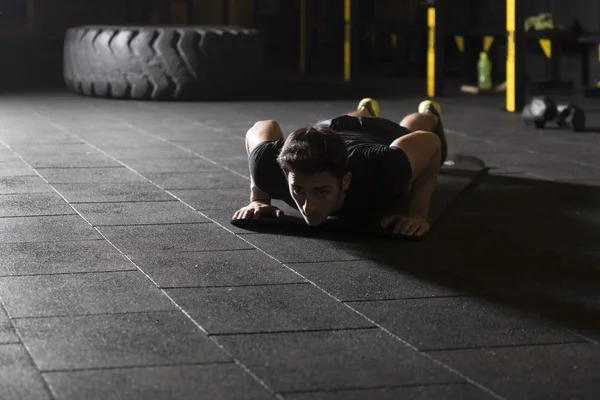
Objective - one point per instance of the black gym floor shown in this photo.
(121, 277)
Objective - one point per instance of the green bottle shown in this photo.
(484, 68)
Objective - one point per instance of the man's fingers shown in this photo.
(422, 230)
(404, 225)
(413, 228)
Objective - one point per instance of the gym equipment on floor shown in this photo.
(542, 110)
(162, 62)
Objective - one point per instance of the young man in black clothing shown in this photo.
(358, 166)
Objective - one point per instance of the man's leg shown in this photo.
(429, 119)
(426, 121)
(262, 131)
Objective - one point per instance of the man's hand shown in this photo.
(258, 210)
(405, 225)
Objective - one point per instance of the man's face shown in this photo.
(318, 195)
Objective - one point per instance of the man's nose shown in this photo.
(309, 206)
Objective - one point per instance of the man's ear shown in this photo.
(346, 180)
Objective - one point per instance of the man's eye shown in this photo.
(323, 192)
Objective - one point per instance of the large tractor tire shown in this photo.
(162, 63)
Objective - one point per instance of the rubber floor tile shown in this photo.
(20, 379)
(214, 268)
(111, 192)
(136, 239)
(46, 229)
(373, 280)
(117, 340)
(270, 308)
(430, 324)
(139, 213)
(89, 175)
(60, 257)
(190, 382)
(73, 161)
(565, 371)
(32, 204)
(77, 294)
(215, 199)
(198, 180)
(162, 165)
(349, 359)
(16, 168)
(24, 184)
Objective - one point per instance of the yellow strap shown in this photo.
(460, 43)
(431, 53)
(347, 38)
(546, 45)
(510, 56)
(487, 42)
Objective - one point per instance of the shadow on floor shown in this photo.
(531, 244)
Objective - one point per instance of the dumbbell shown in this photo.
(570, 116)
(543, 109)
(539, 111)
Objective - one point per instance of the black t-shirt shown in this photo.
(381, 174)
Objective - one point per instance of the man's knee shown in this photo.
(262, 131)
(420, 121)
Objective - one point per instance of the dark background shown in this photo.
(31, 37)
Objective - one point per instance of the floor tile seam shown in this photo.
(123, 201)
(2, 243)
(333, 297)
(135, 366)
(551, 156)
(36, 215)
(9, 343)
(177, 306)
(92, 314)
(504, 346)
(407, 299)
(153, 224)
(77, 167)
(380, 387)
(28, 351)
(291, 331)
(234, 286)
(108, 271)
(24, 193)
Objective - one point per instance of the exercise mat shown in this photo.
(458, 173)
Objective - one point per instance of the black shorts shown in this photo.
(381, 129)
(268, 176)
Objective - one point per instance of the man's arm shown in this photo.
(423, 150)
(258, 195)
(262, 131)
(421, 192)
(260, 203)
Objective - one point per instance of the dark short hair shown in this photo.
(311, 150)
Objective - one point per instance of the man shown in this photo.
(358, 166)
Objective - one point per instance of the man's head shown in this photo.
(315, 162)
